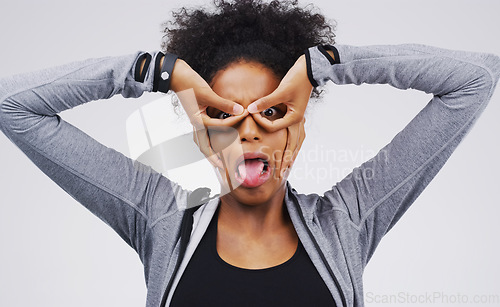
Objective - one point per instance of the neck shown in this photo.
(255, 219)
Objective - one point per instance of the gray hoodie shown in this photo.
(339, 229)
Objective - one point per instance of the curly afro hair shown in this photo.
(274, 34)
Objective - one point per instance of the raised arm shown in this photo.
(120, 192)
(376, 194)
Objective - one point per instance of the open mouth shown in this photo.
(252, 173)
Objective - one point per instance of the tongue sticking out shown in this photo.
(250, 173)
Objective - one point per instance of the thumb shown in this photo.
(225, 105)
(261, 104)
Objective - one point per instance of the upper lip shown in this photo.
(251, 155)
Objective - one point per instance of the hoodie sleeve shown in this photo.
(115, 188)
(377, 193)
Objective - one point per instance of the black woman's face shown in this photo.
(253, 161)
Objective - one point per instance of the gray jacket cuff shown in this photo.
(319, 63)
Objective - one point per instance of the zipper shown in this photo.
(322, 255)
(197, 198)
(186, 227)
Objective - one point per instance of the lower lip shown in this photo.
(254, 183)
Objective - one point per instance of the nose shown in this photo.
(248, 130)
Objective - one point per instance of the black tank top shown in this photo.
(210, 281)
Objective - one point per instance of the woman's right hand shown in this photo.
(195, 96)
(293, 91)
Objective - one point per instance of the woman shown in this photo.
(353, 209)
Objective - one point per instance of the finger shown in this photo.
(278, 159)
(291, 117)
(203, 142)
(293, 134)
(210, 98)
(261, 104)
(207, 153)
(190, 105)
(296, 136)
(195, 137)
(302, 136)
(230, 121)
(197, 113)
(236, 151)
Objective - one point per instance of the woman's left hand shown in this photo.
(293, 91)
(196, 96)
(295, 136)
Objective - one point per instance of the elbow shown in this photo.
(7, 106)
(478, 91)
(4, 113)
(6, 116)
(492, 62)
(13, 117)
(487, 77)
(484, 79)
(475, 83)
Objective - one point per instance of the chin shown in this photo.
(256, 196)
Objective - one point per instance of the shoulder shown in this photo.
(313, 204)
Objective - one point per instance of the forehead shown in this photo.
(244, 82)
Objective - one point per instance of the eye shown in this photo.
(214, 113)
(269, 112)
(273, 113)
(223, 115)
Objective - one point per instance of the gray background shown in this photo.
(55, 253)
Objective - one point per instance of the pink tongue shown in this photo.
(250, 170)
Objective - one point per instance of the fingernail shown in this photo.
(238, 109)
(252, 108)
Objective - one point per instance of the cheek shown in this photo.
(216, 140)
(277, 141)
(220, 140)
